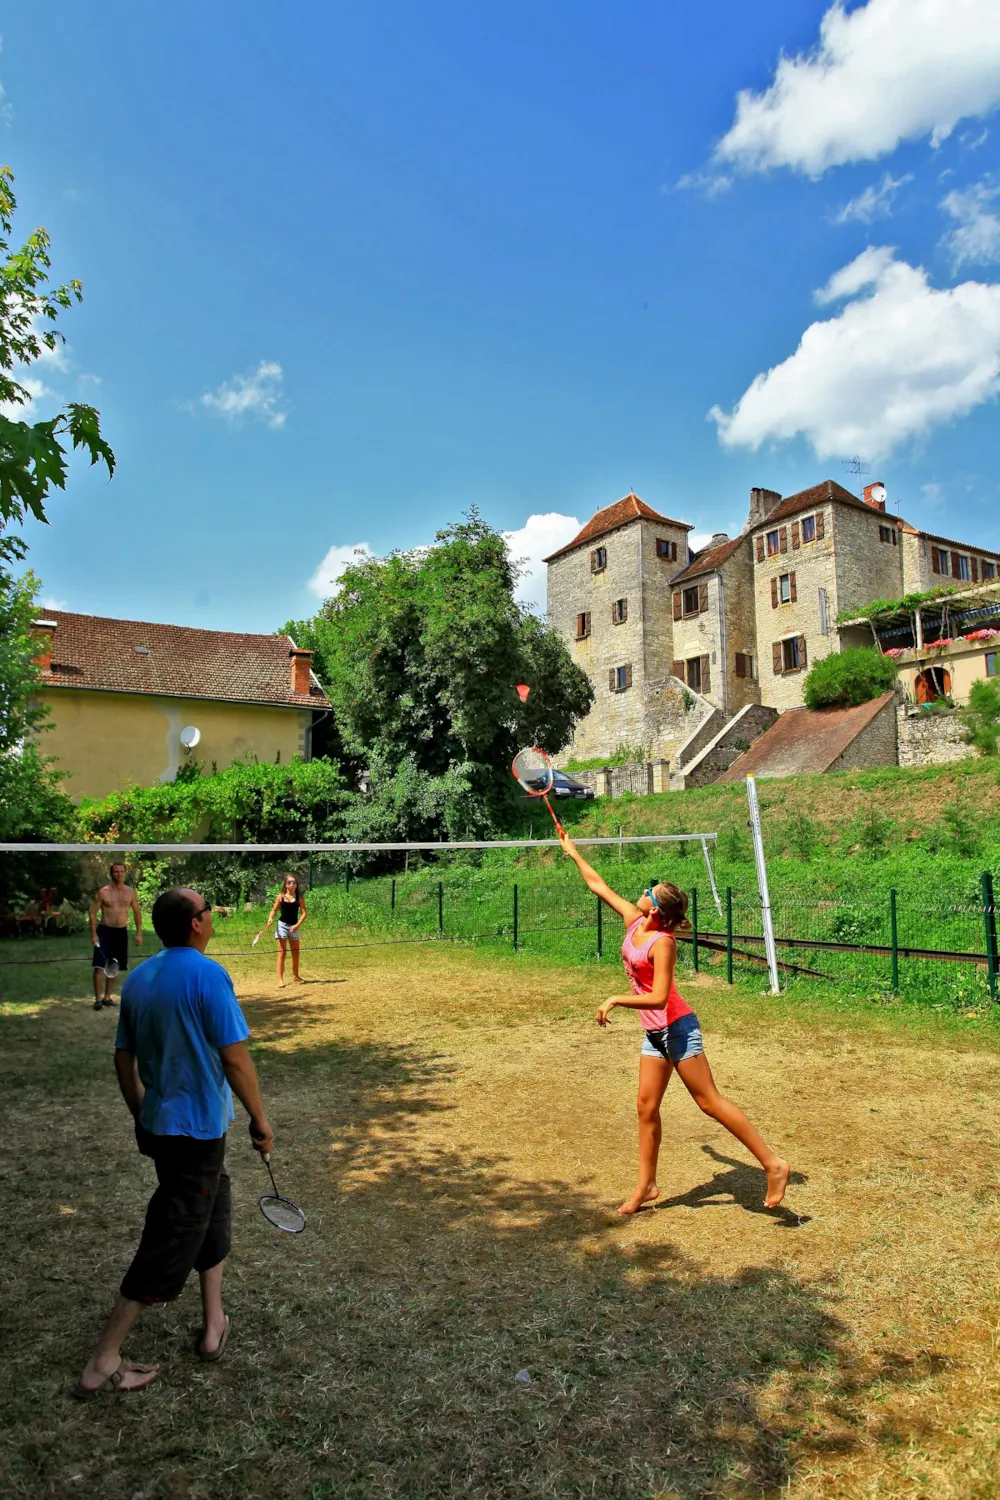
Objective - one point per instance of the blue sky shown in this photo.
(351, 269)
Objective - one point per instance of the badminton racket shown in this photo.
(110, 966)
(534, 774)
(280, 1211)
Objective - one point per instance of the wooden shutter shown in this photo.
(975, 570)
(776, 658)
(673, 551)
(774, 593)
(702, 597)
(593, 561)
(611, 679)
(614, 613)
(628, 675)
(820, 526)
(587, 619)
(678, 604)
(706, 674)
(760, 549)
(624, 610)
(796, 538)
(792, 592)
(802, 653)
(783, 539)
(678, 670)
(934, 560)
(956, 570)
(741, 664)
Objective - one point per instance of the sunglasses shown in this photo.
(206, 910)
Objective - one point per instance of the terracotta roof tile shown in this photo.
(711, 558)
(802, 742)
(629, 508)
(807, 499)
(91, 651)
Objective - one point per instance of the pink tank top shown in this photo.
(639, 968)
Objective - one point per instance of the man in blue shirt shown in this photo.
(180, 1053)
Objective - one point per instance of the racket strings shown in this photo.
(533, 769)
(282, 1213)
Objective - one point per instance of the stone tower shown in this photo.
(609, 597)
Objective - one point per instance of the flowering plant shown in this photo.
(895, 651)
(982, 635)
(946, 640)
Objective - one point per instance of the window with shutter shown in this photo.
(790, 658)
(666, 550)
(956, 565)
(582, 626)
(628, 675)
(694, 673)
(783, 535)
(975, 570)
(678, 670)
(964, 571)
(796, 543)
(760, 549)
(820, 526)
(785, 588)
(741, 664)
(691, 601)
(598, 559)
(776, 658)
(773, 543)
(792, 591)
(706, 674)
(774, 593)
(619, 612)
(678, 604)
(989, 571)
(808, 529)
(702, 597)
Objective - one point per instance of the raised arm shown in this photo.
(598, 884)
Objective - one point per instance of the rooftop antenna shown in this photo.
(856, 466)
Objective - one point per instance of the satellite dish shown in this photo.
(878, 493)
(190, 736)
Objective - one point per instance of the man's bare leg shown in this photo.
(98, 987)
(213, 1319)
(107, 1357)
(109, 986)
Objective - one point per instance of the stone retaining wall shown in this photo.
(929, 739)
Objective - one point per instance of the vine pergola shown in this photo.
(954, 608)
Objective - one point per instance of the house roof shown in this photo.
(709, 559)
(949, 541)
(629, 508)
(92, 651)
(802, 742)
(792, 505)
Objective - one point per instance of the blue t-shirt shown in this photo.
(177, 1010)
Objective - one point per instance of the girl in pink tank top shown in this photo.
(673, 1040)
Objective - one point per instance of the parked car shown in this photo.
(564, 785)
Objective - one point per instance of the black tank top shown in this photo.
(290, 912)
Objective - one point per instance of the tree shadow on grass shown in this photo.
(374, 1356)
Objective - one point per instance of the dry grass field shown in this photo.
(459, 1132)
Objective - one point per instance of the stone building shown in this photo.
(715, 628)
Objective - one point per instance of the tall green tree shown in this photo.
(420, 654)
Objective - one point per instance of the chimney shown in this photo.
(42, 632)
(718, 538)
(875, 495)
(762, 502)
(301, 664)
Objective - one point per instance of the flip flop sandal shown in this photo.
(216, 1354)
(98, 1004)
(114, 1380)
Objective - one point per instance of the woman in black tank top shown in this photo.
(290, 909)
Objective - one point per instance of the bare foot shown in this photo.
(121, 1377)
(299, 980)
(777, 1181)
(281, 986)
(638, 1198)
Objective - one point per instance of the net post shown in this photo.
(392, 898)
(440, 906)
(694, 927)
(347, 882)
(770, 948)
(515, 918)
(729, 934)
(990, 919)
(600, 928)
(894, 939)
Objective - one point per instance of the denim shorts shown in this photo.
(677, 1042)
(285, 931)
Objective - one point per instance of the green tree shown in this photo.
(980, 719)
(420, 653)
(846, 678)
(33, 455)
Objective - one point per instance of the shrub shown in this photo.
(981, 719)
(846, 678)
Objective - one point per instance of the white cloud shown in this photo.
(51, 603)
(889, 366)
(257, 395)
(326, 579)
(874, 202)
(540, 536)
(977, 235)
(38, 392)
(881, 73)
(710, 183)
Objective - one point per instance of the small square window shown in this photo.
(583, 626)
(885, 534)
(665, 549)
(691, 601)
(989, 570)
(790, 654)
(809, 528)
(785, 588)
(991, 663)
(621, 679)
(773, 543)
(619, 611)
(964, 571)
(598, 559)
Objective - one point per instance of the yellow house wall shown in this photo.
(107, 741)
(965, 665)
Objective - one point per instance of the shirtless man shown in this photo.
(110, 935)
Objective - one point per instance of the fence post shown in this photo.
(729, 934)
(694, 927)
(600, 928)
(440, 906)
(392, 906)
(515, 919)
(894, 936)
(347, 882)
(990, 918)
